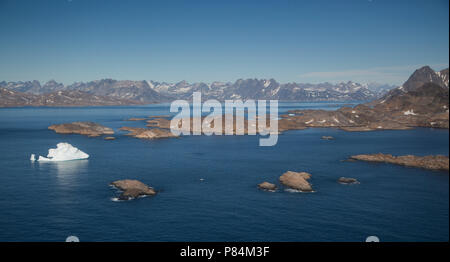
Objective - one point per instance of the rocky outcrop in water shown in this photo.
(348, 180)
(437, 162)
(267, 186)
(90, 129)
(297, 181)
(133, 189)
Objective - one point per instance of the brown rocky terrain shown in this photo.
(133, 189)
(148, 133)
(90, 129)
(426, 106)
(437, 162)
(297, 181)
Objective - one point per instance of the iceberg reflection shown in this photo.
(66, 171)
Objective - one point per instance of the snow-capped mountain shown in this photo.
(140, 91)
(33, 87)
(151, 91)
(269, 89)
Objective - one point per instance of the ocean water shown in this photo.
(207, 185)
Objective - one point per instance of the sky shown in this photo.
(365, 41)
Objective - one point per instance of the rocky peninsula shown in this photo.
(425, 107)
(437, 162)
(132, 189)
(422, 101)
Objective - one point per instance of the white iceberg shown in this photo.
(64, 152)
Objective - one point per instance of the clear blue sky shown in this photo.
(301, 41)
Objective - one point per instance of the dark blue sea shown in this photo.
(207, 184)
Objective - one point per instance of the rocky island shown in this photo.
(90, 129)
(297, 181)
(437, 162)
(132, 189)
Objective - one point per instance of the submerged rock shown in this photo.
(133, 189)
(90, 129)
(110, 138)
(327, 138)
(437, 162)
(267, 186)
(297, 180)
(348, 180)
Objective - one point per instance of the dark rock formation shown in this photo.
(133, 189)
(348, 180)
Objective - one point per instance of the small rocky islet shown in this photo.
(267, 186)
(132, 189)
(297, 181)
(348, 180)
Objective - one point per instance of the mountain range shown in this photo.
(122, 92)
